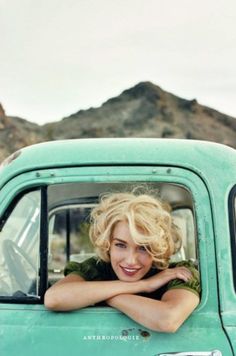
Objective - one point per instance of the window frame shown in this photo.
(232, 227)
(43, 231)
(139, 174)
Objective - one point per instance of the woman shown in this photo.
(134, 238)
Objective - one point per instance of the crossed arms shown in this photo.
(165, 315)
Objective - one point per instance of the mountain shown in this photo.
(144, 110)
(16, 133)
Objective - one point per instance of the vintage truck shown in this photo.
(46, 193)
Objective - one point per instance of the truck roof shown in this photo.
(203, 157)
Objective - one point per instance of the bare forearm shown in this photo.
(145, 311)
(79, 294)
(165, 315)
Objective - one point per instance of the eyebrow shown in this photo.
(123, 241)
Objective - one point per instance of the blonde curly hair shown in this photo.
(150, 225)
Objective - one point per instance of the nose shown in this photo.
(131, 258)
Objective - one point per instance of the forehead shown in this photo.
(122, 232)
(121, 229)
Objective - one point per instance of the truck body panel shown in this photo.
(196, 177)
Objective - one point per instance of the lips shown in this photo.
(129, 271)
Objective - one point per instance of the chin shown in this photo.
(124, 278)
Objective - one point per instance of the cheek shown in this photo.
(146, 260)
(116, 255)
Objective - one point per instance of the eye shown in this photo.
(142, 249)
(120, 245)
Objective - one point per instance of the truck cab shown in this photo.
(46, 194)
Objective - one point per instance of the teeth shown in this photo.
(130, 270)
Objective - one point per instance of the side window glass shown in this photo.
(68, 238)
(19, 248)
(184, 220)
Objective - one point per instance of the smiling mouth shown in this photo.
(130, 271)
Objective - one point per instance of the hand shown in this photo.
(161, 278)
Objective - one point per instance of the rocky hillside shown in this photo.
(16, 133)
(142, 111)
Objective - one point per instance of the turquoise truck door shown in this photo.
(27, 328)
(226, 256)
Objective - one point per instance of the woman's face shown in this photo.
(129, 261)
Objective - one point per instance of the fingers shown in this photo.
(182, 273)
(167, 275)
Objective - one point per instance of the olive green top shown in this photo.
(94, 269)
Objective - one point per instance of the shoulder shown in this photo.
(186, 263)
(193, 284)
(90, 269)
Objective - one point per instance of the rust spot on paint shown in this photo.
(124, 333)
(144, 333)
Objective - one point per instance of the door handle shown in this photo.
(194, 353)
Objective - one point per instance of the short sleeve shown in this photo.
(192, 285)
(88, 269)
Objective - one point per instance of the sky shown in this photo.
(60, 56)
